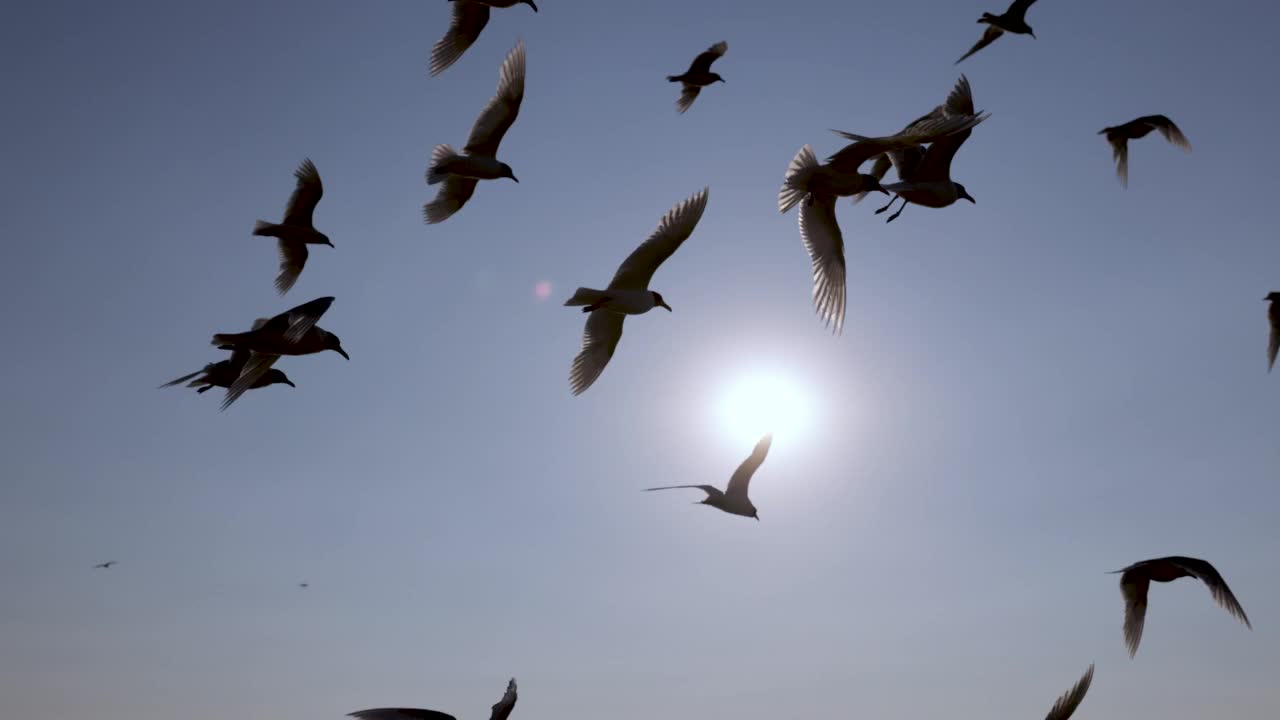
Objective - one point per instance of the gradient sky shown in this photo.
(1030, 391)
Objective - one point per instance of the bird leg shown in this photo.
(894, 216)
(892, 200)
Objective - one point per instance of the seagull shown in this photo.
(815, 188)
(461, 172)
(223, 373)
(926, 174)
(292, 332)
(734, 499)
(501, 710)
(1013, 20)
(1120, 135)
(698, 75)
(1137, 577)
(628, 292)
(1273, 318)
(1071, 699)
(469, 18)
(106, 565)
(296, 232)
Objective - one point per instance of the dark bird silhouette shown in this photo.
(297, 230)
(1273, 319)
(224, 372)
(698, 75)
(1135, 579)
(1120, 135)
(106, 565)
(1013, 20)
(501, 710)
(1071, 699)
(460, 172)
(304, 585)
(734, 499)
(469, 18)
(628, 292)
(293, 332)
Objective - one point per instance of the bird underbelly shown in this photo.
(630, 303)
(474, 168)
(931, 198)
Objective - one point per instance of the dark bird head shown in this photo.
(331, 342)
(530, 4)
(963, 194)
(716, 78)
(658, 301)
(507, 172)
(1032, 33)
(327, 241)
(872, 183)
(755, 514)
(1273, 296)
(275, 376)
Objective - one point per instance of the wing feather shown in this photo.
(454, 192)
(674, 228)
(599, 340)
(469, 18)
(1071, 699)
(498, 116)
(742, 476)
(990, 35)
(306, 195)
(822, 239)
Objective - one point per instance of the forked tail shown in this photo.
(796, 183)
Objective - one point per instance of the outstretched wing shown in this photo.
(293, 257)
(306, 195)
(1168, 129)
(708, 489)
(742, 476)
(688, 93)
(400, 714)
(250, 374)
(990, 35)
(936, 164)
(1222, 594)
(823, 240)
(298, 321)
(1273, 347)
(1019, 7)
(185, 378)
(850, 158)
(674, 228)
(454, 192)
(1120, 153)
(1070, 700)
(503, 107)
(599, 340)
(502, 709)
(702, 63)
(469, 18)
(1133, 586)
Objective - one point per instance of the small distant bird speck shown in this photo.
(1120, 135)
(1273, 319)
(478, 160)
(1071, 699)
(297, 230)
(304, 585)
(1135, 580)
(469, 18)
(224, 372)
(698, 75)
(1013, 20)
(501, 710)
(734, 499)
(628, 292)
(106, 565)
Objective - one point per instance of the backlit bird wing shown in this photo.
(293, 257)
(990, 35)
(1070, 700)
(1208, 575)
(1168, 129)
(1133, 586)
(250, 374)
(502, 709)
(469, 18)
(688, 93)
(702, 63)
(825, 244)
(742, 476)
(454, 192)
(599, 340)
(306, 195)
(674, 228)
(503, 107)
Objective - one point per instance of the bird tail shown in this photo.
(986, 17)
(226, 339)
(673, 78)
(264, 228)
(440, 156)
(796, 183)
(584, 296)
(185, 378)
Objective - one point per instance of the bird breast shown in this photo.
(933, 195)
(630, 302)
(474, 166)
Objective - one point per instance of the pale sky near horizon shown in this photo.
(1031, 391)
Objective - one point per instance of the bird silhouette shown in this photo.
(1135, 580)
(224, 372)
(106, 565)
(1120, 135)
(297, 230)
(469, 19)
(1013, 20)
(1070, 700)
(698, 75)
(501, 710)
(734, 499)
(1273, 319)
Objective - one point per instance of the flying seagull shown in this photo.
(297, 231)
(1071, 699)
(1013, 20)
(926, 173)
(501, 710)
(1135, 579)
(469, 18)
(106, 565)
(304, 585)
(698, 75)
(1120, 135)
(478, 161)
(815, 188)
(734, 499)
(628, 292)
(224, 372)
(1273, 318)
(292, 332)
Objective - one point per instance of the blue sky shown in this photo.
(1030, 391)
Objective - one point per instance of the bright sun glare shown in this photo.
(759, 402)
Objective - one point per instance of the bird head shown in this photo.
(326, 239)
(1273, 296)
(716, 78)
(658, 301)
(964, 194)
(530, 4)
(507, 172)
(755, 514)
(331, 342)
(275, 376)
(872, 183)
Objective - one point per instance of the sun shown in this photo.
(762, 401)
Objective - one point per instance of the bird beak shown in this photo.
(513, 177)
(668, 307)
(886, 192)
(724, 81)
(290, 383)
(342, 352)
(1033, 35)
(535, 7)
(970, 199)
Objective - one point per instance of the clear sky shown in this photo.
(1030, 391)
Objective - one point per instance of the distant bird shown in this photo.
(1273, 318)
(926, 173)
(106, 565)
(1120, 135)
(1071, 699)
(461, 172)
(1135, 579)
(734, 499)
(1013, 20)
(304, 585)
(469, 18)
(501, 710)
(297, 231)
(223, 373)
(293, 332)
(628, 292)
(815, 188)
(698, 75)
